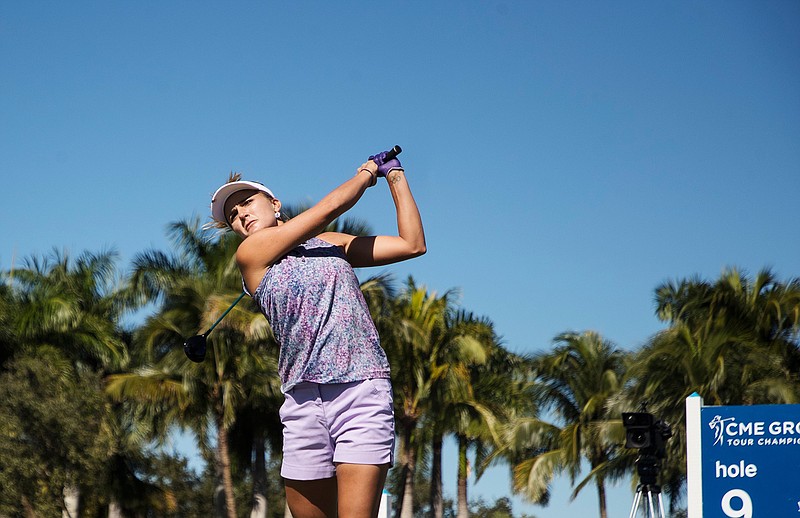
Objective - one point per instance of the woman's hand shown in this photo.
(386, 166)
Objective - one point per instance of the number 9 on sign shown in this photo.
(745, 510)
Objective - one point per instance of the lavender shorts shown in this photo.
(326, 424)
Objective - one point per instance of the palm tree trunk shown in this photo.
(462, 509)
(601, 495)
(436, 503)
(27, 509)
(72, 497)
(401, 465)
(408, 456)
(407, 510)
(259, 509)
(223, 454)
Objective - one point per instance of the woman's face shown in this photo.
(249, 210)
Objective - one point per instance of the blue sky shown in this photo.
(567, 157)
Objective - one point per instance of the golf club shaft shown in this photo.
(223, 315)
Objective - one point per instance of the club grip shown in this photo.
(393, 153)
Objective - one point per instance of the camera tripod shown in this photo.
(648, 493)
(644, 496)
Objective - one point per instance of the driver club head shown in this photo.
(195, 348)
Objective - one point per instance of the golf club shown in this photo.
(195, 347)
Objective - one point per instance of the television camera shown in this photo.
(649, 435)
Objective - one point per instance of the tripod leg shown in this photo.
(651, 507)
(637, 499)
(661, 505)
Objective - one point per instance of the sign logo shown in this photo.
(730, 432)
(718, 425)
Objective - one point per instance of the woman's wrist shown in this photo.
(373, 175)
(394, 175)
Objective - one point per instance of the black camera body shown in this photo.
(646, 433)
(649, 435)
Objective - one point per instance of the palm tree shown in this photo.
(468, 345)
(257, 430)
(576, 382)
(202, 396)
(499, 395)
(412, 340)
(733, 342)
(195, 287)
(129, 490)
(761, 311)
(75, 308)
(435, 353)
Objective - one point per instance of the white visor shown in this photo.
(224, 192)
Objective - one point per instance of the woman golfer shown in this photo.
(338, 421)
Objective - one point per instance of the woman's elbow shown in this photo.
(419, 250)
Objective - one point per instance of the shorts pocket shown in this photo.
(382, 388)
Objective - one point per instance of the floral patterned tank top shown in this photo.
(312, 300)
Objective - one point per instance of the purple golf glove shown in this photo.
(385, 167)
